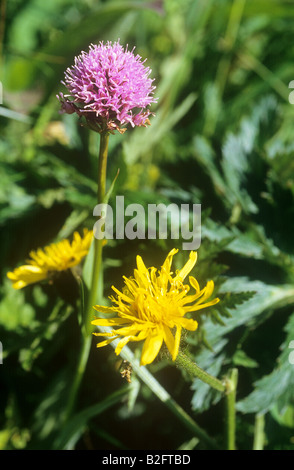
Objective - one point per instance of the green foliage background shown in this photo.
(222, 137)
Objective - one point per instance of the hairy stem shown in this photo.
(193, 369)
(98, 244)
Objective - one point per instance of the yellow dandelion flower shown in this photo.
(57, 257)
(152, 308)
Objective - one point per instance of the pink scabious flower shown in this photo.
(109, 87)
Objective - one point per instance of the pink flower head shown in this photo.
(109, 87)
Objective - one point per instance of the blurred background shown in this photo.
(222, 137)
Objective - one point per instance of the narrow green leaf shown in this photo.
(76, 425)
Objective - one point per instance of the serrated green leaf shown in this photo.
(265, 298)
(276, 388)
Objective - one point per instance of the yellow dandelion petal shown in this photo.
(109, 321)
(200, 306)
(165, 274)
(105, 342)
(103, 309)
(156, 282)
(168, 260)
(208, 290)
(121, 295)
(169, 340)
(182, 274)
(77, 240)
(124, 341)
(151, 348)
(142, 279)
(194, 283)
(141, 266)
(130, 330)
(105, 333)
(25, 275)
(196, 298)
(131, 285)
(188, 324)
(177, 342)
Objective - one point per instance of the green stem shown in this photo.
(103, 153)
(98, 244)
(193, 369)
(258, 442)
(94, 290)
(74, 389)
(231, 386)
